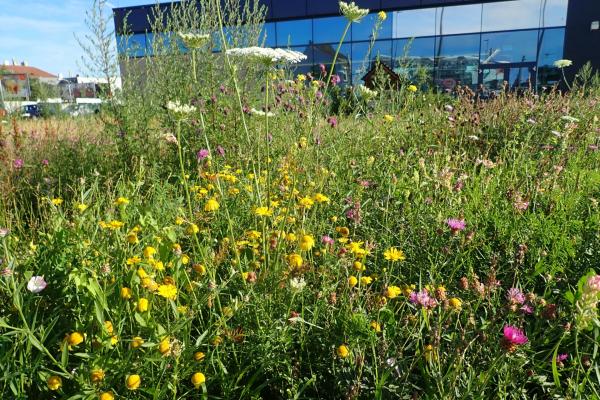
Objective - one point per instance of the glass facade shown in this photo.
(514, 41)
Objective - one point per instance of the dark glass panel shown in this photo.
(294, 32)
(551, 49)
(505, 47)
(324, 53)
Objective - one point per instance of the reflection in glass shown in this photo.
(520, 78)
(294, 32)
(457, 60)
(133, 45)
(414, 23)
(324, 53)
(268, 35)
(493, 78)
(305, 66)
(505, 47)
(551, 49)
(458, 19)
(554, 12)
(364, 29)
(329, 30)
(362, 58)
(413, 57)
(507, 15)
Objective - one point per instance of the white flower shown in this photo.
(4, 232)
(365, 92)
(193, 40)
(297, 284)
(178, 108)
(268, 56)
(36, 284)
(170, 138)
(570, 119)
(473, 138)
(259, 113)
(352, 12)
(563, 63)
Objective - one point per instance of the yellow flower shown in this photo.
(149, 284)
(295, 260)
(192, 229)
(185, 259)
(263, 212)
(133, 382)
(125, 293)
(366, 280)
(342, 230)
(137, 342)
(142, 305)
(307, 242)
(122, 201)
(375, 326)
(392, 292)
(321, 198)
(290, 237)
(430, 353)
(382, 15)
(168, 291)
(108, 326)
(114, 339)
(54, 382)
(149, 252)
(412, 88)
(81, 207)
(198, 379)
(133, 260)
(388, 118)
(455, 303)
(199, 269)
(358, 266)
(132, 238)
(358, 250)
(301, 77)
(179, 221)
(211, 205)
(75, 338)
(393, 254)
(114, 224)
(97, 376)
(352, 281)
(199, 356)
(164, 346)
(306, 202)
(142, 273)
(343, 351)
(57, 201)
(106, 396)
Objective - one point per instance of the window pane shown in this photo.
(505, 47)
(457, 60)
(364, 29)
(329, 30)
(413, 23)
(132, 46)
(268, 35)
(459, 19)
(554, 12)
(294, 32)
(507, 15)
(551, 49)
(411, 56)
(362, 58)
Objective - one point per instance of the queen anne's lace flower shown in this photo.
(178, 108)
(352, 12)
(193, 40)
(268, 56)
(259, 113)
(563, 63)
(365, 92)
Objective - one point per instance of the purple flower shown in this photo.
(322, 69)
(455, 224)
(18, 163)
(422, 298)
(45, 162)
(221, 151)
(561, 357)
(335, 79)
(513, 337)
(527, 309)
(36, 284)
(202, 154)
(327, 240)
(515, 296)
(332, 121)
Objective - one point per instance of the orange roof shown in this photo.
(32, 71)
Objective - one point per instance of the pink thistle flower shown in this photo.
(18, 163)
(456, 225)
(220, 151)
(515, 296)
(202, 154)
(327, 240)
(527, 309)
(593, 284)
(513, 337)
(422, 298)
(332, 121)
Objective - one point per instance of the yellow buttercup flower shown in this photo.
(137, 342)
(75, 338)
(57, 201)
(108, 326)
(164, 346)
(179, 221)
(343, 351)
(122, 201)
(358, 266)
(132, 238)
(392, 292)
(133, 382)
(149, 252)
(106, 396)
(352, 281)
(306, 202)
(211, 205)
(192, 229)
(375, 326)
(263, 211)
(168, 291)
(412, 88)
(393, 254)
(199, 356)
(321, 198)
(366, 280)
(388, 118)
(54, 382)
(455, 303)
(125, 293)
(81, 207)
(142, 305)
(97, 376)
(198, 379)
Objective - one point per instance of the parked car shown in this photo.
(31, 111)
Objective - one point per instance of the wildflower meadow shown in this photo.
(227, 228)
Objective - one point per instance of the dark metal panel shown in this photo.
(395, 4)
(581, 43)
(322, 7)
(289, 9)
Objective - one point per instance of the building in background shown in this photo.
(454, 42)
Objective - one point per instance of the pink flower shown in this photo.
(456, 225)
(527, 309)
(513, 337)
(36, 284)
(335, 80)
(220, 151)
(45, 162)
(202, 154)
(332, 121)
(422, 298)
(593, 284)
(18, 163)
(327, 240)
(515, 296)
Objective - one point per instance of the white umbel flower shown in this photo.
(365, 92)
(352, 12)
(260, 113)
(563, 63)
(267, 55)
(297, 284)
(178, 108)
(193, 40)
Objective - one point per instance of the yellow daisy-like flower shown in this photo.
(455, 303)
(168, 291)
(133, 382)
(295, 260)
(114, 224)
(392, 292)
(393, 254)
(198, 379)
(164, 346)
(412, 88)
(149, 252)
(211, 205)
(81, 207)
(192, 229)
(142, 305)
(382, 15)
(57, 201)
(199, 356)
(132, 238)
(388, 118)
(321, 198)
(137, 342)
(307, 242)
(306, 202)
(125, 293)
(366, 280)
(54, 382)
(263, 211)
(375, 326)
(343, 351)
(106, 396)
(97, 376)
(122, 201)
(75, 338)
(352, 281)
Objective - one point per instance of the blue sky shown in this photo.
(41, 32)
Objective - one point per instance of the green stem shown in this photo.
(337, 51)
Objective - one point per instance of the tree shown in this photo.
(100, 57)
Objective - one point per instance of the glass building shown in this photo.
(469, 43)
